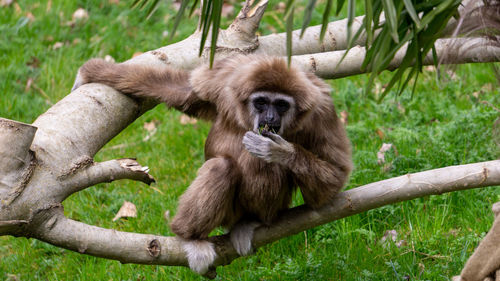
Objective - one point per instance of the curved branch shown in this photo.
(85, 174)
(152, 249)
(449, 51)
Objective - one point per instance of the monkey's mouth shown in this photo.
(266, 129)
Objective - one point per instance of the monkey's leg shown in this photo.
(241, 236)
(206, 204)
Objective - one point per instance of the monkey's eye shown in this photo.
(281, 106)
(260, 103)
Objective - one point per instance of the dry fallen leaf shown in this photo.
(430, 68)
(80, 14)
(280, 8)
(34, 62)
(166, 216)
(57, 45)
(128, 210)
(344, 117)
(391, 236)
(4, 3)
(381, 153)
(227, 10)
(17, 9)
(114, 2)
(380, 134)
(30, 16)
(150, 126)
(137, 54)
(28, 84)
(184, 119)
(488, 87)
(109, 58)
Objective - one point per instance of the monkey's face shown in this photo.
(272, 112)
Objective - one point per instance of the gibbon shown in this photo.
(274, 130)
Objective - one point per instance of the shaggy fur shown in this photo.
(246, 176)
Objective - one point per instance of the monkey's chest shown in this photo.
(265, 188)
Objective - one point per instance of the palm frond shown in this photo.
(388, 25)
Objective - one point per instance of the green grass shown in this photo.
(444, 124)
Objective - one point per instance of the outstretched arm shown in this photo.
(168, 85)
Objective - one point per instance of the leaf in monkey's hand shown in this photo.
(263, 129)
(128, 210)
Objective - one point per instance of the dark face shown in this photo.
(269, 110)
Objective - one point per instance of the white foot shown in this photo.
(241, 237)
(200, 254)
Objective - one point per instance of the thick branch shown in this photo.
(15, 158)
(458, 51)
(335, 39)
(88, 173)
(136, 248)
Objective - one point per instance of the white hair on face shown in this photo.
(286, 119)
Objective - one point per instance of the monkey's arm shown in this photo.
(168, 85)
(320, 176)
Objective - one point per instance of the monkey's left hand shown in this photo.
(271, 148)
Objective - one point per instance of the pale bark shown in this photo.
(449, 51)
(44, 163)
(152, 249)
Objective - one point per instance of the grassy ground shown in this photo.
(445, 123)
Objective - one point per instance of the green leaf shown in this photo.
(350, 18)
(205, 23)
(193, 7)
(368, 22)
(152, 8)
(289, 29)
(135, 3)
(307, 16)
(289, 7)
(178, 17)
(217, 12)
(340, 4)
(413, 14)
(436, 11)
(324, 24)
(391, 19)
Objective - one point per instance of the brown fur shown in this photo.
(233, 184)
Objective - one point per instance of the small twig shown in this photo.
(108, 171)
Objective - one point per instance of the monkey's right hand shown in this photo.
(271, 148)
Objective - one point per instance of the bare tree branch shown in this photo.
(88, 173)
(335, 39)
(152, 249)
(457, 50)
